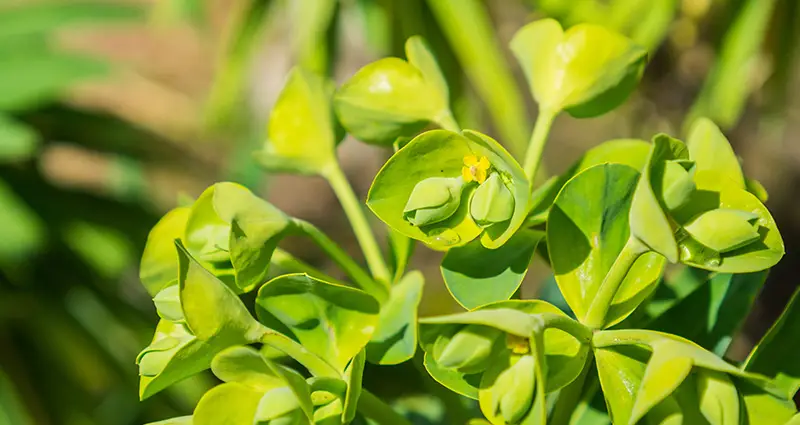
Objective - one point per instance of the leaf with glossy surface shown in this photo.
(762, 408)
(230, 403)
(648, 220)
(335, 322)
(245, 365)
(441, 153)
(663, 374)
(710, 150)
(395, 338)
(586, 70)
(390, 98)
(159, 265)
(621, 370)
(775, 356)
(587, 229)
(719, 400)
(476, 276)
(301, 134)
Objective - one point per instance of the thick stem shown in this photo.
(595, 316)
(338, 255)
(568, 325)
(536, 144)
(355, 213)
(316, 365)
(291, 264)
(570, 396)
(373, 408)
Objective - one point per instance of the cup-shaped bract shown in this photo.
(230, 223)
(332, 321)
(302, 132)
(723, 229)
(483, 340)
(393, 98)
(510, 397)
(586, 70)
(443, 154)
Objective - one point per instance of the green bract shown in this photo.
(440, 155)
(392, 98)
(586, 70)
(302, 133)
(433, 200)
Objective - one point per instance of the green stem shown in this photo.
(373, 408)
(595, 316)
(291, 264)
(316, 365)
(568, 325)
(447, 122)
(538, 139)
(355, 213)
(570, 396)
(338, 255)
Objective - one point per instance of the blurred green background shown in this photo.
(113, 112)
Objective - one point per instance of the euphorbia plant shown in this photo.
(608, 227)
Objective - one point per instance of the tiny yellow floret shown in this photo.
(475, 169)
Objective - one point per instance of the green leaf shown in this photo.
(587, 230)
(563, 354)
(621, 370)
(664, 373)
(390, 98)
(302, 134)
(18, 142)
(335, 322)
(353, 375)
(159, 266)
(649, 223)
(168, 304)
(710, 150)
(719, 400)
(395, 338)
(441, 153)
(713, 311)
(476, 276)
(230, 403)
(587, 70)
(212, 310)
(510, 392)
(183, 420)
(12, 406)
(245, 365)
(300, 400)
(712, 193)
(230, 223)
(763, 408)
(630, 152)
(773, 356)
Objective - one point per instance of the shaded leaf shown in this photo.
(395, 338)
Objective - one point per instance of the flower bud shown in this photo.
(468, 348)
(168, 303)
(433, 200)
(492, 202)
(678, 183)
(723, 229)
(512, 392)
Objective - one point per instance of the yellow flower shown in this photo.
(475, 169)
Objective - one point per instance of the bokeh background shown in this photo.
(112, 112)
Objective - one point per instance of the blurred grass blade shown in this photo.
(17, 141)
(12, 410)
(651, 27)
(776, 354)
(468, 27)
(228, 87)
(29, 18)
(23, 231)
(312, 20)
(730, 81)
